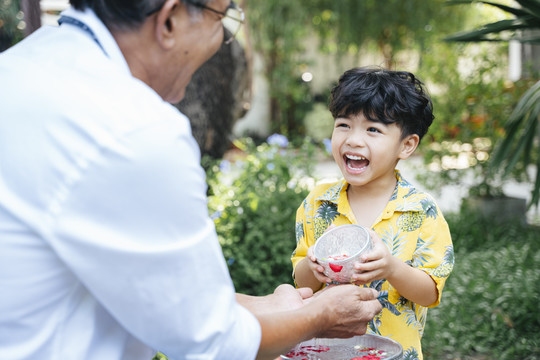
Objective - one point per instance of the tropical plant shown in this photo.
(253, 199)
(518, 148)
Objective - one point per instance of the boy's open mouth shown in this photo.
(355, 162)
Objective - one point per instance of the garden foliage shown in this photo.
(489, 308)
(253, 201)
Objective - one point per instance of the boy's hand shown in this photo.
(316, 269)
(376, 264)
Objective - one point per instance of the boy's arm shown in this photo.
(436, 265)
(304, 276)
(304, 263)
(412, 283)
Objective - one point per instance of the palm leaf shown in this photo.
(536, 190)
(515, 11)
(523, 116)
(527, 137)
(531, 5)
(522, 129)
(526, 17)
(492, 28)
(387, 305)
(529, 143)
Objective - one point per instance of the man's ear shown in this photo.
(166, 23)
(408, 146)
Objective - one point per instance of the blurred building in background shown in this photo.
(50, 10)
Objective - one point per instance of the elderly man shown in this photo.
(106, 247)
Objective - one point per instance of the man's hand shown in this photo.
(290, 316)
(284, 298)
(349, 309)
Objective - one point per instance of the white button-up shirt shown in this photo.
(106, 247)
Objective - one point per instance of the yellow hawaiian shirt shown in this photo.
(413, 228)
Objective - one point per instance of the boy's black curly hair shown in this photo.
(383, 96)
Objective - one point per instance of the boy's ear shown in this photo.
(408, 146)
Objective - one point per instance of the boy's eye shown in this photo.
(372, 129)
(341, 124)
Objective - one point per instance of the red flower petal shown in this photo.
(335, 268)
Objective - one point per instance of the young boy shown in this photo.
(380, 118)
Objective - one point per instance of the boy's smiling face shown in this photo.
(367, 152)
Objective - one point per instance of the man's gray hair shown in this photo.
(124, 14)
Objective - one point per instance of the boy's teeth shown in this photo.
(356, 162)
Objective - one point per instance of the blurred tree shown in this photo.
(32, 15)
(278, 30)
(215, 97)
(390, 25)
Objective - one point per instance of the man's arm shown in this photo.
(288, 317)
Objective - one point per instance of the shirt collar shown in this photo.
(401, 199)
(101, 32)
(333, 193)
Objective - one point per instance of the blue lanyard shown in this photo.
(72, 21)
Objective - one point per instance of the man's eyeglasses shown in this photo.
(232, 18)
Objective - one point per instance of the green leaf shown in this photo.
(512, 10)
(492, 28)
(532, 5)
(536, 190)
(524, 117)
(526, 138)
(526, 17)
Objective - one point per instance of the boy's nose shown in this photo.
(355, 138)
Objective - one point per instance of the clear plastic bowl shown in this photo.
(357, 346)
(339, 248)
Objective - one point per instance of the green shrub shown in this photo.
(473, 232)
(253, 201)
(319, 123)
(490, 302)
